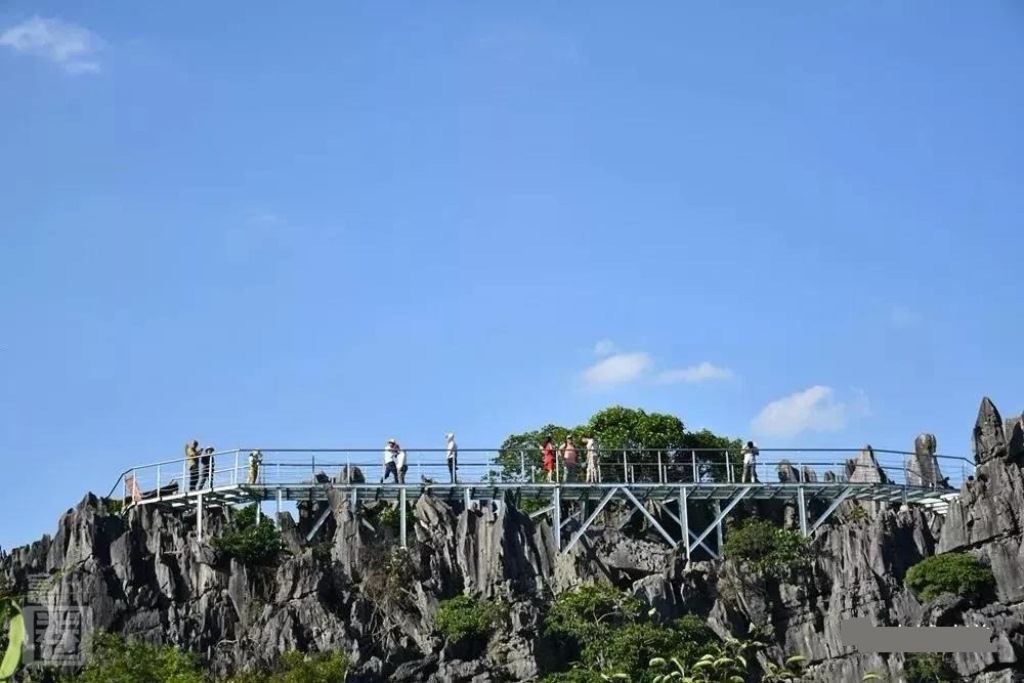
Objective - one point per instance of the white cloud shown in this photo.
(68, 46)
(622, 368)
(704, 372)
(604, 347)
(904, 317)
(812, 410)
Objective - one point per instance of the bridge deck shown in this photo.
(706, 481)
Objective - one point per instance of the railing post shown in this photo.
(693, 457)
(234, 472)
(158, 481)
(184, 475)
(522, 465)
(728, 469)
(661, 474)
(401, 516)
(279, 480)
(625, 469)
(802, 504)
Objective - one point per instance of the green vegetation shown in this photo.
(114, 659)
(606, 632)
(385, 586)
(296, 667)
(465, 618)
(113, 506)
(12, 620)
(954, 573)
(250, 541)
(621, 430)
(928, 667)
(767, 548)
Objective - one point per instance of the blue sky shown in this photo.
(331, 225)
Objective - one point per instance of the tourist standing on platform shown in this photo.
(390, 451)
(593, 475)
(452, 456)
(192, 455)
(549, 459)
(750, 453)
(255, 460)
(400, 464)
(206, 468)
(569, 459)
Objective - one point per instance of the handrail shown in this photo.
(716, 465)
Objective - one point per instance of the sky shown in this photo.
(328, 225)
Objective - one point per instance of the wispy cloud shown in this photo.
(604, 347)
(814, 409)
(704, 372)
(71, 47)
(621, 368)
(265, 218)
(616, 368)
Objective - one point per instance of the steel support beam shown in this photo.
(639, 506)
(801, 504)
(590, 520)
(556, 504)
(830, 509)
(541, 512)
(684, 521)
(466, 497)
(719, 536)
(401, 517)
(199, 515)
(720, 515)
(280, 504)
(689, 533)
(319, 523)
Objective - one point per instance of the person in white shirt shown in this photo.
(592, 473)
(401, 466)
(390, 451)
(750, 453)
(452, 456)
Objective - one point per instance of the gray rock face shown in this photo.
(864, 469)
(923, 467)
(148, 575)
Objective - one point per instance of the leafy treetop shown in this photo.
(619, 430)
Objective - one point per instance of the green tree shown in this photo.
(635, 433)
(609, 635)
(768, 549)
(251, 541)
(463, 618)
(956, 573)
(114, 659)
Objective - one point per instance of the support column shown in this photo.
(199, 515)
(466, 497)
(401, 517)
(259, 510)
(719, 517)
(684, 520)
(802, 510)
(280, 504)
(556, 500)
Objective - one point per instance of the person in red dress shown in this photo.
(549, 459)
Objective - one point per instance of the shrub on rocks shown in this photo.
(954, 573)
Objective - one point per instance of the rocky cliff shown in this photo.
(147, 574)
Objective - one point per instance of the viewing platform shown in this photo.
(692, 488)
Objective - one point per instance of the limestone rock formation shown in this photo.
(147, 574)
(922, 467)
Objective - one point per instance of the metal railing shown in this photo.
(302, 466)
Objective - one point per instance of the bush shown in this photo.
(767, 548)
(250, 541)
(610, 634)
(464, 618)
(297, 667)
(114, 659)
(931, 667)
(955, 573)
